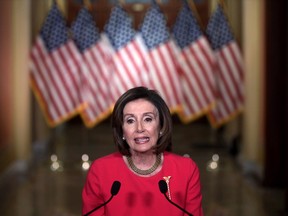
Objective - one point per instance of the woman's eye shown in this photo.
(148, 119)
(129, 121)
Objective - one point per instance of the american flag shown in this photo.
(162, 51)
(95, 68)
(129, 63)
(230, 69)
(197, 62)
(54, 70)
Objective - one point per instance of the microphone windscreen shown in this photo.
(162, 186)
(115, 188)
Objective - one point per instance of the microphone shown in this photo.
(114, 191)
(163, 189)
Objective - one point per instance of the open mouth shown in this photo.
(142, 140)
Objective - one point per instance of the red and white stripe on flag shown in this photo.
(162, 61)
(229, 73)
(230, 81)
(128, 59)
(94, 69)
(129, 67)
(55, 80)
(96, 92)
(164, 74)
(197, 62)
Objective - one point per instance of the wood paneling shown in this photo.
(101, 9)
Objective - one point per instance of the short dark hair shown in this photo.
(164, 143)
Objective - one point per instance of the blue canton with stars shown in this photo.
(119, 28)
(154, 29)
(84, 30)
(54, 31)
(218, 29)
(186, 29)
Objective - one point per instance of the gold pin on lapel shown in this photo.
(167, 180)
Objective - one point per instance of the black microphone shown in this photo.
(163, 188)
(114, 191)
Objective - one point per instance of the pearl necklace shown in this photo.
(144, 172)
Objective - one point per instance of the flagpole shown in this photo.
(222, 3)
(54, 2)
(225, 11)
(86, 3)
(121, 2)
(224, 6)
(194, 9)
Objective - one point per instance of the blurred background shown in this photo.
(243, 162)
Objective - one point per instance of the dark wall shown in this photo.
(276, 95)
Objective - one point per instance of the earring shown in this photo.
(160, 132)
(123, 138)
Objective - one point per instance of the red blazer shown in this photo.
(140, 196)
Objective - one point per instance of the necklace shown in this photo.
(144, 172)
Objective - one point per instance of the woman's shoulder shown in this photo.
(109, 159)
(179, 159)
(182, 165)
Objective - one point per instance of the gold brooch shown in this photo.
(167, 180)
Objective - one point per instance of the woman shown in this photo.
(142, 129)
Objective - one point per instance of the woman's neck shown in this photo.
(144, 164)
(143, 160)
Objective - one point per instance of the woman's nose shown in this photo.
(140, 127)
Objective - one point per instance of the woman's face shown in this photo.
(141, 125)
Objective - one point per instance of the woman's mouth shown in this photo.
(142, 140)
